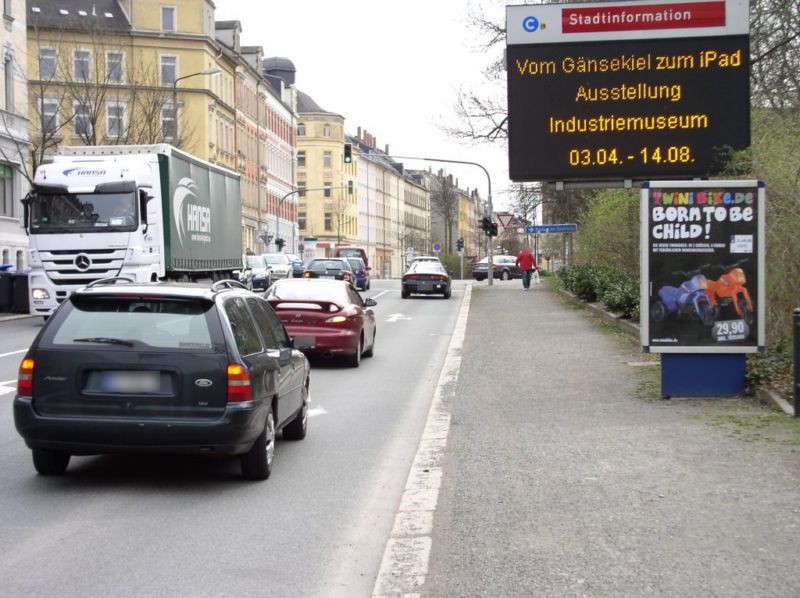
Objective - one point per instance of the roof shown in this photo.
(278, 63)
(106, 15)
(305, 103)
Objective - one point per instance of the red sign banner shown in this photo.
(643, 17)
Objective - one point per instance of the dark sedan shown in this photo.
(334, 268)
(504, 267)
(161, 368)
(325, 317)
(427, 278)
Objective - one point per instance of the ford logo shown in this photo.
(203, 382)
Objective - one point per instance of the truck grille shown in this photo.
(80, 267)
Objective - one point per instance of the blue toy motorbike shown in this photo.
(690, 299)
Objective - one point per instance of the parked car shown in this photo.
(161, 367)
(279, 263)
(326, 317)
(503, 267)
(362, 273)
(426, 278)
(256, 275)
(336, 268)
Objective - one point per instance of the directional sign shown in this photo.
(538, 229)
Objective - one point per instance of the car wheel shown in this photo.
(369, 284)
(447, 294)
(297, 428)
(355, 360)
(257, 462)
(505, 275)
(371, 351)
(50, 462)
(404, 294)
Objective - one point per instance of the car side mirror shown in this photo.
(370, 302)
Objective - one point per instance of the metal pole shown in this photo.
(796, 319)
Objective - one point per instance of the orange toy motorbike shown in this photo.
(729, 290)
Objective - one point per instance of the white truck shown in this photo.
(143, 212)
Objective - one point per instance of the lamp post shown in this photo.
(211, 71)
(288, 195)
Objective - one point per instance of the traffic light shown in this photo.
(348, 153)
(486, 226)
(493, 229)
(350, 187)
(460, 243)
(279, 243)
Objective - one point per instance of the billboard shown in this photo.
(702, 266)
(624, 90)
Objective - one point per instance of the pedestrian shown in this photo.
(527, 263)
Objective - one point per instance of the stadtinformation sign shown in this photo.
(603, 91)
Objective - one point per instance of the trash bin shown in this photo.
(6, 292)
(20, 301)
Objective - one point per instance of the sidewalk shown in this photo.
(565, 474)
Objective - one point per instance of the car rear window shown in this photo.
(326, 265)
(155, 322)
(309, 290)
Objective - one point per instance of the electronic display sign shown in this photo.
(612, 91)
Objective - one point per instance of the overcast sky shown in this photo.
(392, 68)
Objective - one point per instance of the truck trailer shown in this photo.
(147, 213)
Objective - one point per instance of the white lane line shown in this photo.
(405, 560)
(315, 411)
(380, 294)
(13, 353)
(8, 386)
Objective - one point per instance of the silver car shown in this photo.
(280, 263)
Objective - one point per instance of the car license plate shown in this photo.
(131, 382)
(304, 342)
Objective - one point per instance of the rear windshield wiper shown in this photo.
(104, 340)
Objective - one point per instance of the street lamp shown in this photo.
(211, 71)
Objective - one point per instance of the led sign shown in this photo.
(611, 91)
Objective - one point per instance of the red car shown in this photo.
(325, 317)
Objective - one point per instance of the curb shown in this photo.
(765, 395)
(8, 317)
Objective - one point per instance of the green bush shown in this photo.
(618, 292)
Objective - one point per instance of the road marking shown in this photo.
(314, 411)
(396, 317)
(381, 294)
(5, 388)
(404, 566)
(13, 353)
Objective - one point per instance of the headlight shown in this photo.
(40, 294)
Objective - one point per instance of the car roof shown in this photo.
(178, 290)
(426, 258)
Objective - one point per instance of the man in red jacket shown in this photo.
(527, 263)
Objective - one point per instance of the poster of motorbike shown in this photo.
(702, 266)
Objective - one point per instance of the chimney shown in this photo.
(387, 149)
(359, 133)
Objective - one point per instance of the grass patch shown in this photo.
(761, 427)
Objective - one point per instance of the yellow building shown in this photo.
(130, 72)
(328, 196)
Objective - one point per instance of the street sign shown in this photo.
(538, 229)
(437, 247)
(505, 219)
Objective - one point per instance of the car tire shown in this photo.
(404, 294)
(355, 360)
(371, 351)
(504, 275)
(369, 284)
(447, 294)
(298, 427)
(257, 462)
(49, 462)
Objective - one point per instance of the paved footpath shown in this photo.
(564, 474)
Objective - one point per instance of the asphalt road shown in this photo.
(186, 526)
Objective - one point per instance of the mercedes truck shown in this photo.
(145, 213)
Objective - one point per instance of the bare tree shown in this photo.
(444, 206)
(775, 53)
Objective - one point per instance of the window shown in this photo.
(326, 130)
(47, 63)
(301, 130)
(169, 70)
(115, 119)
(328, 221)
(9, 81)
(301, 188)
(81, 64)
(167, 18)
(6, 190)
(7, 8)
(327, 162)
(269, 326)
(50, 123)
(244, 331)
(114, 67)
(301, 220)
(169, 124)
(82, 120)
(327, 192)
(301, 159)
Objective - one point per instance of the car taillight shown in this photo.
(25, 378)
(336, 320)
(412, 277)
(438, 278)
(307, 274)
(239, 387)
(494, 266)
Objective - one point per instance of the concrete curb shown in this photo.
(7, 317)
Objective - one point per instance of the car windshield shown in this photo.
(255, 261)
(309, 290)
(73, 212)
(356, 263)
(128, 322)
(275, 259)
